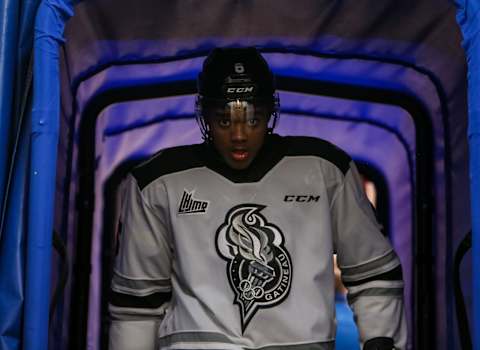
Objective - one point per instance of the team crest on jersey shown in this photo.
(259, 267)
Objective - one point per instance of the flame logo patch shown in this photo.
(259, 267)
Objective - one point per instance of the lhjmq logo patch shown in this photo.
(190, 205)
(259, 268)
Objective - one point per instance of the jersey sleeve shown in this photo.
(140, 288)
(370, 268)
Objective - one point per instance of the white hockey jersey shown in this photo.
(215, 258)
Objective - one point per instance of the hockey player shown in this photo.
(229, 244)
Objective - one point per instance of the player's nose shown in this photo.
(238, 133)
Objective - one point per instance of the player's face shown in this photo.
(238, 131)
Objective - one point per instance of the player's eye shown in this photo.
(224, 122)
(252, 122)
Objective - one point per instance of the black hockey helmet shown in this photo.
(235, 75)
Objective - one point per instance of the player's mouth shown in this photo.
(239, 155)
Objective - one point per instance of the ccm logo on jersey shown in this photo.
(303, 198)
(191, 205)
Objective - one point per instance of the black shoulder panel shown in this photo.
(168, 161)
(310, 146)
